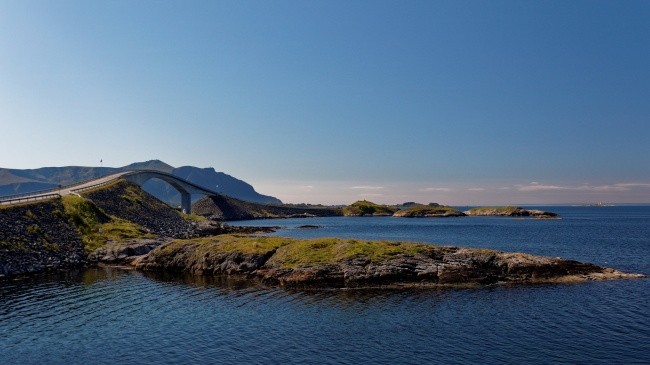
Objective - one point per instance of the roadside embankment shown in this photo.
(38, 237)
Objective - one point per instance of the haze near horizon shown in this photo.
(463, 103)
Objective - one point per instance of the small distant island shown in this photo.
(510, 211)
(364, 208)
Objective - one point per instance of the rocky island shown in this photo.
(431, 210)
(121, 224)
(366, 208)
(345, 263)
(510, 211)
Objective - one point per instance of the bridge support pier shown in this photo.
(186, 202)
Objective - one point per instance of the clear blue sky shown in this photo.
(459, 102)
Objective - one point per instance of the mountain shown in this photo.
(15, 181)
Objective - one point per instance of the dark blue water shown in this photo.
(111, 315)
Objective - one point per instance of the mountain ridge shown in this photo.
(20, 181)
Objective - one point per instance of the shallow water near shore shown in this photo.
(110, 315)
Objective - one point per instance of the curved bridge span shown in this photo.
(138, 177)
(184, 187)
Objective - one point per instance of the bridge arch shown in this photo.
(184, 187)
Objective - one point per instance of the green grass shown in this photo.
(323, 251)
(192, 217)
(133, 194)
(231, 243)
(96, 227)
(294, 253)
(364, 207)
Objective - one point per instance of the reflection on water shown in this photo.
(115, 315)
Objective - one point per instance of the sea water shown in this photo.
(111, 315)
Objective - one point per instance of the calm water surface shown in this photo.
(113, 315)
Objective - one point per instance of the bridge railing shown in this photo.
(18, 196)
(54, 190)
(94, 185)
(31, 197)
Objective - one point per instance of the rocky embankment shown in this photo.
(509, 211)
(338, 263)
(128, 201)
(36, 238)
(123, 220)
(226, 208)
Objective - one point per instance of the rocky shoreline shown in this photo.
(271, 262)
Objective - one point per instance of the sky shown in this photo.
(455, 102)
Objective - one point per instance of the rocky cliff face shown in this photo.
(38, 237)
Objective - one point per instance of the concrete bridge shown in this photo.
(138, 177)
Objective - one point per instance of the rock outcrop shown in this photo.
(128, 201)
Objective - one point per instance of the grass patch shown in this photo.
(497, 210)
(133, 195)
(85, 215)
(192, 217)
(33, 229)
(292, 253)
(96, 227)
(323, 251)
(232, 243)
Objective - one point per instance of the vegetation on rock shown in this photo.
(496, 210)
(325, 251)
(37, 237)
(419, 210)
(96, 227)
(367, 208)
(509, 211)
(129, 202)
(335, 262)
